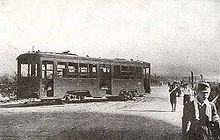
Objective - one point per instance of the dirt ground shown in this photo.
(144, 118)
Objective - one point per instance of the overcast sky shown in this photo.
(176, 36)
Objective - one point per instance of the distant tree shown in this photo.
(14, 77)
(9, 78)
(8, 83)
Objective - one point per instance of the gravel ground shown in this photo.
(144, 118)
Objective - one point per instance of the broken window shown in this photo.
(83, 70)
(116, 71)
(92, 70)
(139, 72)
(61, 69)
(146, 72)
(72, 70)
(47, 69)
(34, 70)
(29, 70)
(25, 70)
(105, 68)
(131, 72)
(124, 72)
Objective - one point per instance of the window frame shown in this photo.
(47, 69)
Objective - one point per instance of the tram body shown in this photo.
(47, 75)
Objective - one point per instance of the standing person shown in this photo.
(170, 86)
(200, 118)
(173, 96)
(187, 94)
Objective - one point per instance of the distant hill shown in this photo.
(174, 70)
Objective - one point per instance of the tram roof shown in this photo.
(76, 57)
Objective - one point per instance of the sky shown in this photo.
(175, 36)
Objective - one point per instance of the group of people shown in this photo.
(200, 119)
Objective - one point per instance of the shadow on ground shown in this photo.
(120, 127)
(147, 110)
(56, 102)
(84, 126)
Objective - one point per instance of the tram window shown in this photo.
(94, 68)
(49, 74)
(47, 69)
(43, 67)
(92, 71)
(124, 72)
(108, 69)
(25, 70)
(61, 67)
(83, 70)
(131, 72)
(105, 68)
(49, 66)
(139, 72)
(29, 70)
(43, 70)
(35, 70)
(116, 71)
(72, 70)
(73, 67)
(147, 72)
(43, 74)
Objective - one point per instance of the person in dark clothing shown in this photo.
(173, 96)
(200, 119)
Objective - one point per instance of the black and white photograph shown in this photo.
(109, 69)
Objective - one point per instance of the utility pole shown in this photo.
(192, 79)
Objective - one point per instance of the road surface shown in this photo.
(144, 118)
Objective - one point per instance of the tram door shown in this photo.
(146, 80)
(48, 78)
(105, 78)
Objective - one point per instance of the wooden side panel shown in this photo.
(127, 84)
(28, 87)
(61, 86)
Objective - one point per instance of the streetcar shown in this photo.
(55, 76)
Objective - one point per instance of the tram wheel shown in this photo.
(81, 98)
(130, 95)
(67, 100)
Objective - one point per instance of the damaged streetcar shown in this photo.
(48, 75)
